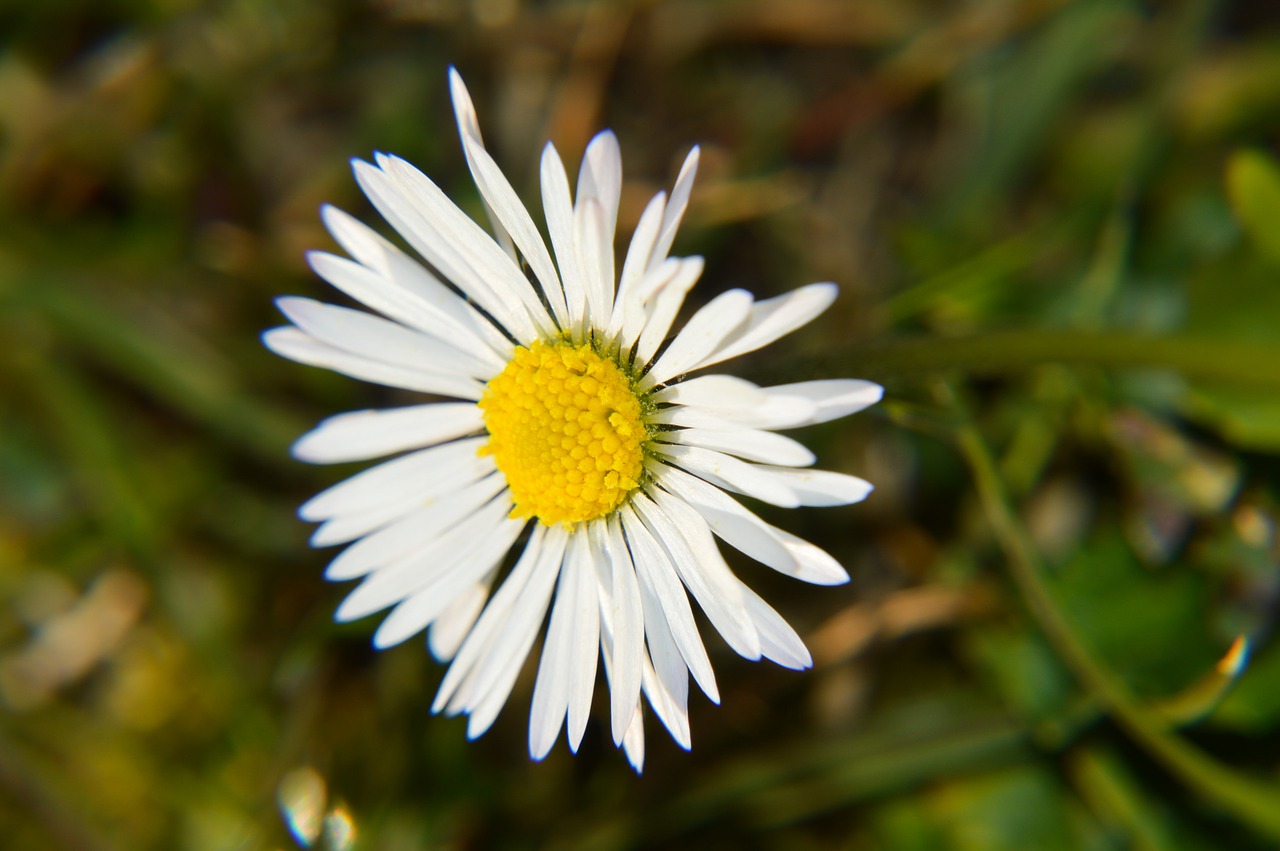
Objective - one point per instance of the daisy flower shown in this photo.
(572, 433)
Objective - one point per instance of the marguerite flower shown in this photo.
(573, 424)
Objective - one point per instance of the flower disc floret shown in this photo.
(567, 430)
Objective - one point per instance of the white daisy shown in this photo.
(572, 424)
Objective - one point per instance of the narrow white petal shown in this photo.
(453, 243)
(666, 606)
(729, 472)
(423, 567)
(359, 240)
(697, 560)
(832, 398)
(636, 264)
(661, 308)
(633, 741)
(496, 615)
(665, 681)
(415, 530)
(748, 443)
(717, 393)
(776, 412)
(675, 208)
(551, 688)
(742, 529)
(403, 290)
(595, 257)
(585, 646)
(627, 619)
(448, 631)
(778, 640)
(558, 208)
(771, 319)
(600, 177)
(485, 669)
(347, 527)
(466, 565)
(702, 335)
(819, 487)
(360, 435)
(418, 475)
(469, 129)
(511, 213)
(296, 345)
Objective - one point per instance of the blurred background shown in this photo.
(1056, 225)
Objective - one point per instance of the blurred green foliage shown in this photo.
(1056, 224)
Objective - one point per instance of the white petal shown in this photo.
(452, 579)
(832, 398)
(600, 177)
(586, 650)
(747, 443)
(674, 279)
(558, 207)
(418, 475)
(729, 472)
(778, 640)
(665, 681)
(348, 527)
(482, 674)
(675, 208)
(460, 680)
(296, 345)
(423, 567)
(666, 606)
(360, 435)
(627, 619)
(633, 741)
(453, 243)
(771, 319)
(415, 530)
(700, 337)
(595, 258)
(469, 128)
(637, 263)
(703, 570)
(718, 393)
(508, 210)
(596, 216)
(399, 287)
(743, 530)
(551, 688)
(449, 630)
(819, 487)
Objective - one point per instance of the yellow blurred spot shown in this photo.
(68, 644)
(340, 829)
(301, 795)
(1237, 657)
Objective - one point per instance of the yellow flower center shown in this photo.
(566, 429)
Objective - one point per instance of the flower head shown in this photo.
(572, 425)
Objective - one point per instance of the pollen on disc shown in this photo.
(567, 431)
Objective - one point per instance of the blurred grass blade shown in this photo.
(1202, 696)
(1113, 793)
(165, 360)
(1243, 364)
(1252, 801)
(1253, 186)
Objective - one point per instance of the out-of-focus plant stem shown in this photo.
(1251, 801)
(1002, 352)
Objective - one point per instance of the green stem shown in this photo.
(1001, 352)
(1252, 802)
